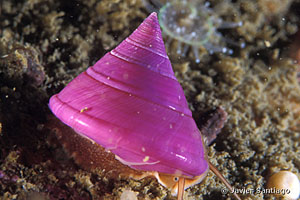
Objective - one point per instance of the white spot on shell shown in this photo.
(148, 66)
(146, 159)
(150, 45)
(181, 157)
(108, 78)
(138, 112)
(182, 114)
(130, 95)
(171, 126)
(173, 108)
(83, 109)
(143, 149)
(107, 63)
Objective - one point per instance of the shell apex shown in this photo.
(147, 39)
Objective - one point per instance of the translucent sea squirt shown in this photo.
(194, 24)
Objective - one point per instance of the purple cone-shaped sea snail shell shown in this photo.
(131, 104)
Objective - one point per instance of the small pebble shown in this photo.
(285, 180)
(128, 195)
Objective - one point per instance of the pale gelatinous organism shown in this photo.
(193, 24)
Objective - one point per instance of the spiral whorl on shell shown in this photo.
(131, 104)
